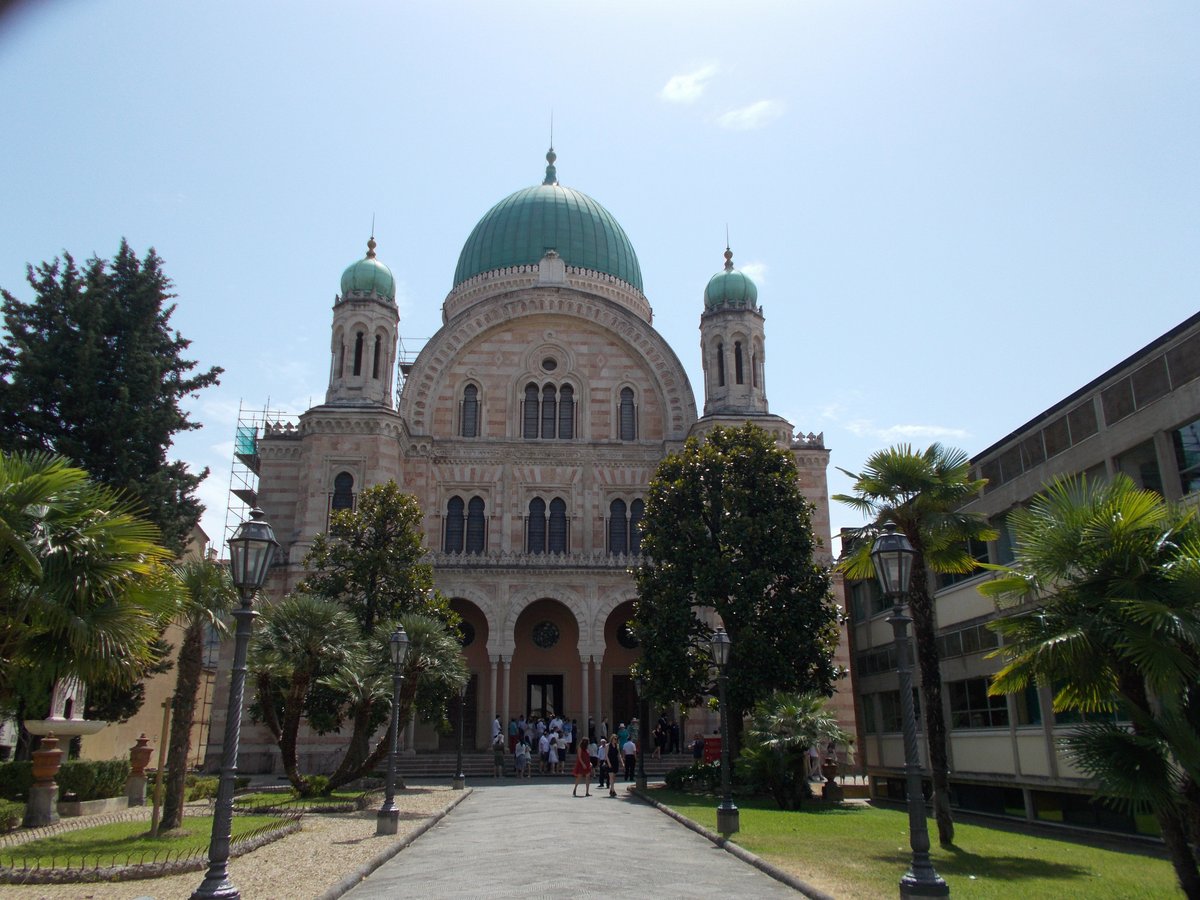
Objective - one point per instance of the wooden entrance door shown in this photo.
(543, 696)
(447, 742)
(625, 701)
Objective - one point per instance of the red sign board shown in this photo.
(712, 749)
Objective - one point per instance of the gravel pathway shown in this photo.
(305, 864)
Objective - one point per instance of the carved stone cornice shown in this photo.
(329, 419)
(534, 562)
(487, 285)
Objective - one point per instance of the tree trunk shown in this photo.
(1174, 834)
(293, 710)
(183, 713)
(921, 608)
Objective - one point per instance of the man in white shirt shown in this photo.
(630, 751)
(543, 752)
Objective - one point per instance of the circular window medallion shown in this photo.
(626, 638)
(466, 633)
(549, 364)
(545, 634)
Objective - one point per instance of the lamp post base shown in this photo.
(460, 782)
(911, 887)
(387, 821)
(728, 820)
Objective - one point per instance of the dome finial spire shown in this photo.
(728, 252)
(551, 172)
(371, 245)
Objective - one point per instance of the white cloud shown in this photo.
(756, 115)
(903, 432)
(688, 87)
(757, 272)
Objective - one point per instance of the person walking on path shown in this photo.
(583, 769)
(498, 756)
(630, 750)
(614, 764)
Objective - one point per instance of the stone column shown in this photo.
(42, 806)
(494, 695)
(584, 665)
(599, 694)
(135, 784)
(505, 711)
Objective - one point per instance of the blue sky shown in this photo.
(957, 213)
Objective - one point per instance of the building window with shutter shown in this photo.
(470, 411)
(559, 532)
(452, 542)
(535, 526)
(627, 416)
(476, 526)
(618, 528)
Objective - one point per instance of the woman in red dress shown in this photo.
(583, 769)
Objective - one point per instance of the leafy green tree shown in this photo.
(84, 586)
(727, 531)
(1103, 597)
(922, 492)
(90, 369)
(206, 593)
(782, 729)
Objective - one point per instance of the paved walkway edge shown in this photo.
(740, 852)
(383, 856)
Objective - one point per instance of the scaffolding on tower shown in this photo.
(243, 472)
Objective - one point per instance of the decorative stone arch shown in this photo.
(606, 605)
(518, 602)
(454, 588)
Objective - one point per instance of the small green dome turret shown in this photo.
(521, 228)
(369, 276)
(730, 288)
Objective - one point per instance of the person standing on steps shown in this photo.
(583, 769)
(614, 764)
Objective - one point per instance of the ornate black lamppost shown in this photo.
(893, 556)
(728, 817)
(460, 780)
(251, 552)
(387, 820)
(639, 780)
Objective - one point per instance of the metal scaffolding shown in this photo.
(243, 473)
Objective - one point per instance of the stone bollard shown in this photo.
(135, 784)
(42, 806)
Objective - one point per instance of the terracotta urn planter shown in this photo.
(47, 760)
(139, 756)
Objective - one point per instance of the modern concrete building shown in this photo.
(1142, 418)
(528, 427)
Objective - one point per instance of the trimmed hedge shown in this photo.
(699, 776)
(11, 814)
(85, 779)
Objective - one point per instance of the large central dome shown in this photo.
(521, 228)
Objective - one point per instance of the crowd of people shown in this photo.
(546, 743)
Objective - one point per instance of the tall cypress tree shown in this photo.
(91, 369)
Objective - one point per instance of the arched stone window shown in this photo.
(470, 411)
(375, 358)
(452, 542)
(549, 411)
(529, 412)
(358, 353)
(343, 492)
(720, 365)
(627, 416)
(558, 526)
(535, 526)
(737, 362)
(618, 528)
(476, 526)
(636, 510)
(566, 413)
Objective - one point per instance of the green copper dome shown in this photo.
(519, 230)
(369, 276)
(730, 288)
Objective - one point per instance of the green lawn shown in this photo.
(286, 800)
(121, 842)
(861, 851)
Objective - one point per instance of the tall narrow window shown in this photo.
(455, 520)
(549, 411)
(720, 365)
(343, 492)
(358, 352)
(754, 369)
(529, 412)
(618, 528)
(535, 526)
(737, 362)
(342, 360)
(470, 411)
(558, 526)
(627, 416)
(476, 528)
(636, 510)
(375, 357)
(566, 413)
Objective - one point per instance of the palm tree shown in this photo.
(921, 491)
(206, 592)
(1106, 582)
(302, 639)
(84, 585)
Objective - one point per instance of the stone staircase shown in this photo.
(478, 764)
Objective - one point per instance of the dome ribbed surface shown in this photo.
(730, 288)
(369, 276)
(519, 230)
